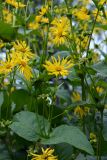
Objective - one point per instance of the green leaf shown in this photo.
(63, 151)
(101, 68)
(6, 31)
(20, 97)
(71, 135)
(29, 125)
(63, 94)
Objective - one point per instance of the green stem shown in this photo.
(83, 88)
(14, 17)
(74, 42)
(92, 32)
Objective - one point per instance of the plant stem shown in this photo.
(92, 32)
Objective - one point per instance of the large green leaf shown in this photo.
(6, 31)
(63, 94)
(29, 125)
(21, 98)
(71, 135)
(63, 151)
(101, 68)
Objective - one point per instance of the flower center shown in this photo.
(23, 63)
(58, 68)
(23, 49)
(60, 32)
(8, 66)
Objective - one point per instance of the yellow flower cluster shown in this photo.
(99, 90)
(60, 30)
(19, 58)
(81, 112)
(46, 155)
(81, 14)
(58, 67)
(101, 2)
(7, 16)
(93, 138)
(76, 96)
(15, 4)
(40, 18)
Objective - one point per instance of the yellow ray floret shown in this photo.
(76, 96)
(60, 30)
(15, 4)
(81, 111)
(7, 66)
(23, 48)
(81, 14)
(1, 43)
(58, 67)
(7, 16)
(24, 68)
(46, 155)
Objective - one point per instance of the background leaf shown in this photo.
(71, 135)
(29, 125)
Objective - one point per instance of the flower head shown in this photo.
(76, 96)
(15, 4)
(43, 10)
(81, 111)
(101, 2)
(99, 90)
(58, 67)
(93, 138)
(81, 14)
(46, 155)
(60, 30)
(7, 66)
(20, 47)
(7, 16)
(23, 65)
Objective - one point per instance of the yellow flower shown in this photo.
(99, 90)
(23, 48)
(7, 16)
(23, 65)
(46, 155)
(60, 30)
(25, 69)
(93, 138)
(33, 25)
(43, 10)
(15, 4)
(81, 111)
(58, 67)
(38, 18)
(60, 9)
(95, 57)
(76, 96)
(7, 66)
(81, 14)
(45, 20)
(101, 2)
(1, 43)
